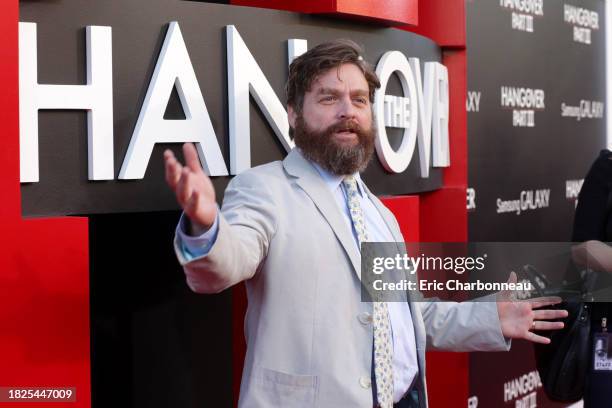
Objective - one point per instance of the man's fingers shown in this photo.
(539, 325)
(184, 187)
(545, 301)
(199, 211)
(168, 154)
(191, 205)
(173, 169)
(531, 336)
(191, 157)
(549, 314)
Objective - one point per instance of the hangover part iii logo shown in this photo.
(523, 102)
(523, 12)
(583, 22)
(523, 390)
(572, 190)
(471, 199)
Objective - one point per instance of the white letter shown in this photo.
(244, 77)
(295, 48)
(96, 98)
(173, 68)
(441, 153)
(377, 265)
(425, 102)
(395, 161)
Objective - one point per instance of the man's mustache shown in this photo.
(345, 126)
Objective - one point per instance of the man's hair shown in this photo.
(310, 65)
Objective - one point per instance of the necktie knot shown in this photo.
(350, 183)
(352, 196)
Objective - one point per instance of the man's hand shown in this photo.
(518, 319)
(193, 189)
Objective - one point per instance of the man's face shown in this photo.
(335, 128)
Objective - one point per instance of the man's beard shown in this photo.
(322, 148)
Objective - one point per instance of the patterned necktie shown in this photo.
(383, 345)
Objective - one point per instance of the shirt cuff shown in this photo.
(196, 246)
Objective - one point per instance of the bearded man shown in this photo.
(292, 231)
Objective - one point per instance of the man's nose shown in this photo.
(346, 109)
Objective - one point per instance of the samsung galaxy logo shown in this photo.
(528, 200)
(472, 103)
(584, 110)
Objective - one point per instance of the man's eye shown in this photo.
(329, 98)
(361, 100)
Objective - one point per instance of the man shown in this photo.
(286, 229)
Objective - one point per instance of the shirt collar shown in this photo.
(333, 181)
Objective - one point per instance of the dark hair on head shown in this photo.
(310, 65)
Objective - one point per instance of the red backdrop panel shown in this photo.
(443, 21)
(385, 11)
(406, 210)
(44, 282)
(444, 219)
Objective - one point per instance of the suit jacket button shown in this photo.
(365, 318)
(365, 382)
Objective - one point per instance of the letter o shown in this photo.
(395, 161)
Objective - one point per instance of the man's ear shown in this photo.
(292, 116)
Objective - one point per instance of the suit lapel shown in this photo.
(310, 181)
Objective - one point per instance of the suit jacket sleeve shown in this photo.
(452, 326)
(466, 326)
(246, 226)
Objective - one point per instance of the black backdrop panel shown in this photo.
(505, 160)
(154, 343)
(139, 28)
(524, 176)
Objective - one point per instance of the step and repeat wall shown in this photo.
(105, 87)
(536, 122)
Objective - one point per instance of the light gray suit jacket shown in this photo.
(309, 336)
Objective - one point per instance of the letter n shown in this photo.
(246, 78)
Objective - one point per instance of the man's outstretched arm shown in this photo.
(242, 232)
(487, 324)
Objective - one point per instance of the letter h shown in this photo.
(96, 97)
